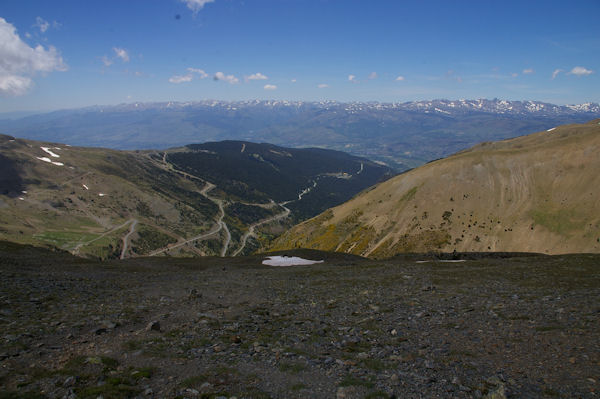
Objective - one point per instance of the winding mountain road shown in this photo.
(126, 238)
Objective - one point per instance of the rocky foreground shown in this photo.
(494, 327)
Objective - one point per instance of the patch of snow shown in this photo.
(86, 187)
(23, 192)
(45, 159)
(101, 195)
(443, 260)
(549, 130)
(22, 199)
(47, 150)
(381, 163)
(288, 261)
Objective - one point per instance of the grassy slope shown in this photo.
(57, 210)
(535, 193)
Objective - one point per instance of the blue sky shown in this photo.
(66, 53)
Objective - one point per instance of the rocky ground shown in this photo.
(495, 327)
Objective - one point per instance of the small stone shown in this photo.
(493, 380)
(236, 339)
(69, 381)
(192, 391)
(100, 330)
(207, 386)
(393, 333)
(148, 392)
(153, 326)
(497, 393)
(346, 392)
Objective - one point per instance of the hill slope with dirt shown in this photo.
(537, 193)
(190, 201)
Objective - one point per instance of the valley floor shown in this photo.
(347, 328)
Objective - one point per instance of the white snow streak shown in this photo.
(47, 150)
(288, 261)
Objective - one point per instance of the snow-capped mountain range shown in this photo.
(400, 134)
(442, 106)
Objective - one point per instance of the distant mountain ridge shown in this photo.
(536, 193)
(452, 106)
(403, 135)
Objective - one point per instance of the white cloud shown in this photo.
(323, 86)
(373, 75)
(257, 76)
(181, 78)
(106, 61)
(227, 78)
(294, 80)
(121, 53)
(196, 5)
(556, 72)
(580, 71)
(201, 74)
(528, 71)
(352, 78)
(270, 87)
(400, 78)
(41, 24)
(19, 62)
(514, 74)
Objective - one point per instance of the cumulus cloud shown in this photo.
(196, 5)
(121, 53)
(323, 86)
(257, 76)
(193, 72)
(201, 74)
(352, 78)
(270, 87)
(181, 78)
(373, 75)
(19, 62)
(556, 72)
(227, 78)
(41, 24)
(528, 71)
(580, 71)
(400, 78)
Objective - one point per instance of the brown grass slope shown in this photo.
(89, 198)
(536, 193)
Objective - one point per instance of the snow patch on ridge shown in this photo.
(288, 261)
